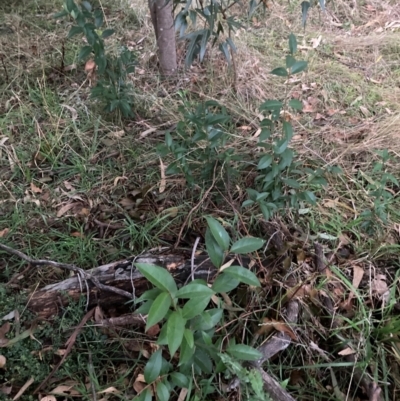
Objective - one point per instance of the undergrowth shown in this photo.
(84, 187)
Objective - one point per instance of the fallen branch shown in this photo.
(110, 285)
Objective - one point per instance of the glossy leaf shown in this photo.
(149, 295)
(194, 290)
(175, 328)
(280, 72)
(87, 5)
(203, 361)
(292, 44)
(107, 33)
(153, 367)
(287, 130)
(290, 60)
(85, 52)
(208, 319)
(270, 105)
(145, 308)
(309, 197)
(162, 391)
(298, 66)
(188, 335)
(225, 283)
(75, 30)
(305, 5)
(158, 309)
(179, 379)
(186, 352)
(158, 276)
(265, 162)
(219, 233)
(247, 245)
(195, 306)
(291, 183)
(281, 146)
(295, 104)
(214, 251)
(244, 275)
(243, 352)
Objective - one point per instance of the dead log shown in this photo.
(122, 275)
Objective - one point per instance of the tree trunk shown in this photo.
(163, 22)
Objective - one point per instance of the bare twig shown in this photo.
(193, 255)
(65, 266)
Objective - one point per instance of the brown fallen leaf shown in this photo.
(3, 361)
(35, 189)
(4, 232)
(163, 181)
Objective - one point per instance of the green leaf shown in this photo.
(188, 336)
(286, 158)
(287, 130)
(158, 276)
(158, 309)
(271, 105)
(186, 352)
(219, 233)
(149, 295)
(175, 328)
(265, 162)
(295, 104)
(69, 5)
(298, 66)
(195, 306)
(214, 251)
(87, 5)
(309, 197)
(290, 60)
(60, 14)
(153, 367)
(194, 290)
(107, 33)
(247, 245)
(243, 275)
(225, 283)
(85, 52)
(98, 18)
(145, 308)
(281, 146)
(243, 352)
(179, 379)
(162, 337)
(207, 320)
(75, 30)
(162, 392)
(223, 47)
(145, 395)
(280, 72)
(322, 4)
(291, 183)
(292, 44)
(203, 361)
(305, 5)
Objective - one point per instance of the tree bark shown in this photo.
(163, 21)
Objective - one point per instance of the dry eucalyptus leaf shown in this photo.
(3, 361)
